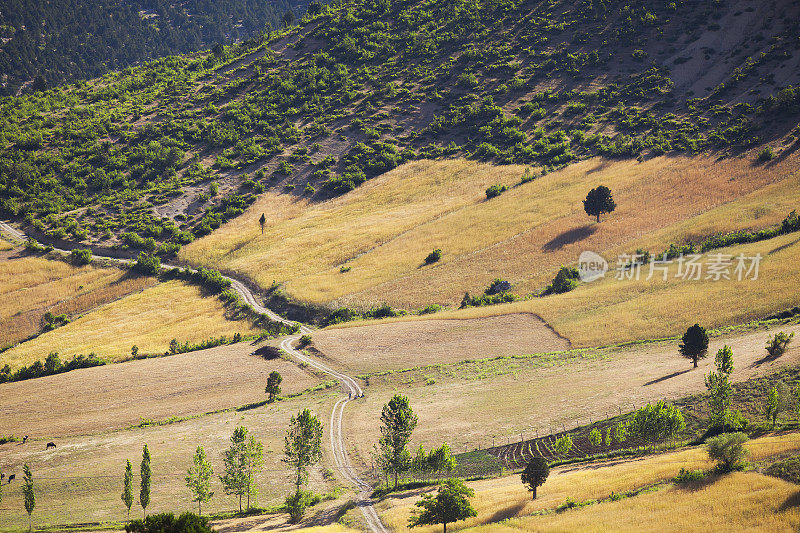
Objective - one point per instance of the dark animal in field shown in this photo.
(50, 445)
(2, 475)
(24, 439)
(11, 477)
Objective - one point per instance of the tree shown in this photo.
(563, 445)
(28, 494)
(598, 202)
(262, 221)
(728, 449)
(695, 343)
(160, 523)
(303, 445)
(273, 385)
(777, 344)
(773, 405)
(314, 8)
(288, 19)
(234, 480)
(198, 479)
(254, 460)
(127, 488)
(399, 422)
(655, 422)
(596, 436)
(449, 505)
(297, 503)
(146, 473)
(441, 459)
(134, 351)
(535, 474)
(419, 464)
(720, 389)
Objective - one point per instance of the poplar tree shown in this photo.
(198, 479)
(28, 494)
(146, 473)
(127, 488)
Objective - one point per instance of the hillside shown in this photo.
(172, 150)
(45, 44)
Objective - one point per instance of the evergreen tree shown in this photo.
(127, 488)
(28, 494)
(146, 473)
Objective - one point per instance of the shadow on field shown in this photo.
(791, 502)
(508, 512)
(569, 237)
(668, 376)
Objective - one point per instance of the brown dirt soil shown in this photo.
(120, 395)
(397, 345)
(468, 404)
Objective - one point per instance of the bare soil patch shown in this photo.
(398, 345)
(121, 395)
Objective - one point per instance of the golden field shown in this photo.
(384, 229)
(31, 286)
(148, 319)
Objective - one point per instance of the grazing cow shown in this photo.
(2, 475)
(11, 477)
(50, 445)
(24, 439)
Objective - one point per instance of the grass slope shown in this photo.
(149, 319)
(31, 286)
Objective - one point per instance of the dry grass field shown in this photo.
(612, 311)
(459, 403)
(383, 230)
(399, 345)
(735, 502)
(31, 286)
(81, 480)
(111, 397)
(148, 319)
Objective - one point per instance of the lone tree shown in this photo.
(535, 474)
(28, 494)
(198, 479)
(303, 445)
(773, 406)
(449, 505)
(127, 488)
(234, 480)
(273, 385)
(695, 344)
(399, 422)
(146, 472)
(728, 450)
(262, 221)
(598, 202)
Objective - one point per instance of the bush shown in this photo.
(777, 344)
(167, 523)
(305, 340)
(728, 450)
(766, 154)
(343, 314)
(80, 257)
(432, 308)
(297, 503)
(434, 256)
(495, 190)
(566, 279)
(149, 265)
(689, 476)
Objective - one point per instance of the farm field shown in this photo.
(727, 503)
(398, 345)
(458, 403)
(99, 399)
(383, 230)
(149, 319)
(611, 311)
(31, 286)
(81, 480)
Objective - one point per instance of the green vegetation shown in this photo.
(273, 385)
(397, 423)
(599, 202)
(449, 505)
(127, 488)
(695, 344)
(198, 479)
(303, 449)
(52, 365)
(728, 450)
(146, 474)
(167, 522)
(535, 474)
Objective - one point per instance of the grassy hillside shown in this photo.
(149, 319)
(31, 286)
(360, 88)
(726, 503)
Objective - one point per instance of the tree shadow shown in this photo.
(700, 484)
(791, 502)
(508, 512)
(766, 359)
(668, 376)
(569, 237)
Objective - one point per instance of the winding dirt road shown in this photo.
(340, 457)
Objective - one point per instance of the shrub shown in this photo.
(343, 314)
(305, 340)
(777, 344)
(495, 190)
(566, 279)
(80, 257)
(689, 476)
(766, 154)
(728, 450)
(498, 286)
(149, 265)
(297, 503)
(563, 445)
(434, 256)
(432, 308)
(168, 523)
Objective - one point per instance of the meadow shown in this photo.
(149, 319)
(733, 502)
